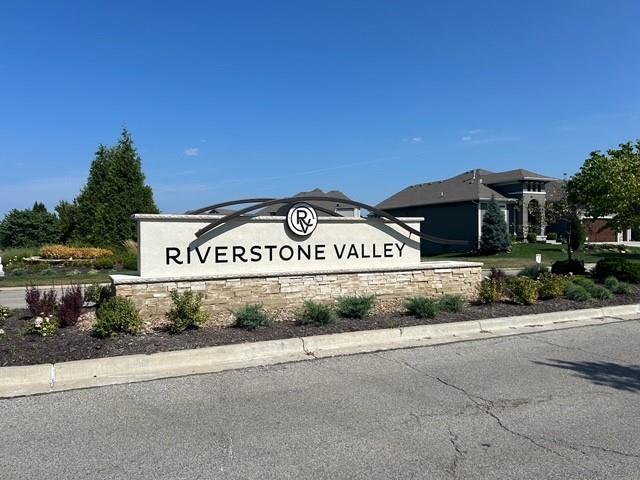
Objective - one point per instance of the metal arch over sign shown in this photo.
(302, 219)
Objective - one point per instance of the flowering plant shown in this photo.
(44, 326)
(5, 312)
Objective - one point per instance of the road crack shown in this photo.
(487, 406)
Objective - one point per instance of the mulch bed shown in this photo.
(72, 343)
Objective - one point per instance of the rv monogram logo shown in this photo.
(302, 219)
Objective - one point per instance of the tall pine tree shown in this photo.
(114, 191)
(495, 233)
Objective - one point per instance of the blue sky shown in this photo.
(234, 99)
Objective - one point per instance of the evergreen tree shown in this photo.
(114, 191)
(577, 236)
(495, 233)
(29, 228)
(67, 216)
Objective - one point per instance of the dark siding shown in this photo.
(454, 221)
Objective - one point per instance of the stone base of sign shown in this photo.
(282, 295)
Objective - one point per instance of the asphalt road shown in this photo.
(557, 405)
(13, 297)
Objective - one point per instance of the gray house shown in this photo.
(454, 208)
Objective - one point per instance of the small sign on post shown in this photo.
(538, 258)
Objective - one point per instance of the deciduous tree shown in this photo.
(609, 184)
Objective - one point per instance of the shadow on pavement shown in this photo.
(620, 377)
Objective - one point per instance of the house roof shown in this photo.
(281, 208)
(461, 188)
(517, 175)
(473, 185)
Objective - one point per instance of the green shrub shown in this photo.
(97, 293)
(129, 261)
(622, 289)
(451, 303)
(46, 326)
(316, 313)
(532, 238)
(104, 263)
(611, 283)
(117, 315)
(552, 236)
(251, 316)
(186, 311)
(523, 290)
(584, 282)
(5, 312)
(600, 292)
(490, 290)
(494, 236)
(551, 286)
(421, 307)
(577, 293)
(532, 271)
(356, 306)
(566, 267)
(620, 268)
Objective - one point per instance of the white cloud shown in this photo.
(416, 140)
(475, 131)
(192, 151)
(465, 139)
(481, 141)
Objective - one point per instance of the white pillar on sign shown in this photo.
(538, 258)
(1, 270)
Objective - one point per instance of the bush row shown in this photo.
(526, 290)
(63, 252)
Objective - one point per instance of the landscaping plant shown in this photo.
(186, 311)
(451, 303)
(617, 287)
(43, 326)
(551, 286)
(357, 306)
(600, 292)
(523, 290)
(566, 267)
(251, 316)
(315, 313)
(532, 271)
(490, 290)
(577, 293)
(620, 268)
(117, 315)
(97, 294)
(421, 307)
(495, 233)
(42, 303)
(70, 307)
(5, 312)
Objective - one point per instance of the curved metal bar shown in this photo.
(312, 198)
(226, 204)
(251, 200)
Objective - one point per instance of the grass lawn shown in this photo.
(524, 254)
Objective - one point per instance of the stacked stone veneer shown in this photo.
(281, 295)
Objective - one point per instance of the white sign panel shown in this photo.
(299, 243)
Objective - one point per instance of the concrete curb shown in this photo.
(34, 379)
